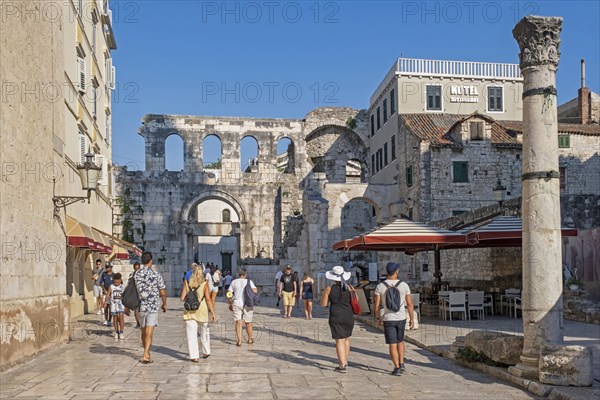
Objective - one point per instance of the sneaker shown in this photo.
(116, 336)
(99, 312)
(340, 369)
(396, 372)
(106, 323)
(402, 368)
(138, 326)
(121, 336)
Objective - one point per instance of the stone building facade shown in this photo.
(276, 215)
(55, 92)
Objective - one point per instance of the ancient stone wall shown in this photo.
(264, 200)
(582, 165)
(34, 310)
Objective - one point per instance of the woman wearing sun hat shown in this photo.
(341, 318)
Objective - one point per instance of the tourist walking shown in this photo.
(278, 276)
(151, 288)
(198, 318)
(307, 294)
(227, 281)
(136, 312)
(117, 309)
(213, 278)
(97, 289)
(298, 287)
(242, 313)
(287, 288)
(341, 318)
(105, 281)
(395, 297)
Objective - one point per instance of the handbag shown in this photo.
(131, 298)
(354, 301)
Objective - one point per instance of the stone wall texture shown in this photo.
(34, 310)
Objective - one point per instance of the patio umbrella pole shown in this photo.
(436, 261)
(539, 40)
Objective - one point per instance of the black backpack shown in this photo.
(191, 301)
(393, 302)
(250, 298)
(131, 298)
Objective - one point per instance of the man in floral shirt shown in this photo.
(151, 287)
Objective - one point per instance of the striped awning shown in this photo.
(503, 229)
(103, 244)
(401, 235)
(79, 234)
(119, 253)
(122, 246)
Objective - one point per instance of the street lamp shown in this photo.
(89, 174)
(499, 192)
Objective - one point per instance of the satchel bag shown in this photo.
(354, 301)
(131, 298)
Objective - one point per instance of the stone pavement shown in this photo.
(290, 359)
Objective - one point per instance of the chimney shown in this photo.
(583, 98)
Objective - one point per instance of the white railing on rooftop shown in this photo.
(470, 69)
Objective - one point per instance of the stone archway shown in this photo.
(191, 229)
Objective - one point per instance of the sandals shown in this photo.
(250, 341)
(146, 361)
(194, 360)
(239, 344)
(205, 355)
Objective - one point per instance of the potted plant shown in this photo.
(574, 283)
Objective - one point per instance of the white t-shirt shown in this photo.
(237, 288)
(278, 276)
(404, 290)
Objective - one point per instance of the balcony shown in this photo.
(463, 69)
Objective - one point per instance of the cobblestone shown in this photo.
(290, 359)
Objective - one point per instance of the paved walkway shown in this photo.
(290, 359)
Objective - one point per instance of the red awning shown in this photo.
(79, 234)
(401, 235)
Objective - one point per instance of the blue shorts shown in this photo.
(394, 331)
(307, 296)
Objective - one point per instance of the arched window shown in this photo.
(174, 153)
(212, 152)
(226, 215)
(285, 156)
(249, 154)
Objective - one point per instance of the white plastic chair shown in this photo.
(476, 303)
(416, 298)
(507, 299)
(443, 296)
(518, 305)
(456, 303)
(488, 302)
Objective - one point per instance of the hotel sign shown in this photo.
(464, 94)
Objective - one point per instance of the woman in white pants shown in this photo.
(198, 318)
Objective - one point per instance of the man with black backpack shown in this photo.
(241, 297)
(396, 298)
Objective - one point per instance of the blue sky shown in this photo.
(281, 59)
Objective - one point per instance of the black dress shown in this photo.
(341, 318)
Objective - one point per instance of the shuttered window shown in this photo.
(385, 154)
(434, 97)
(564, 141)
(460, 171)
(82, 147)
(495, 99)
(476, 130)
(409, 176)
(392, 102)
(102, 162)
(81, 70)
(378, 118)
(372, 125)
(393, 147)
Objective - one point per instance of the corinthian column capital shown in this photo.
(539, 40)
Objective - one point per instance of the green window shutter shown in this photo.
(409, 176)
(564, 141)
(461, 171)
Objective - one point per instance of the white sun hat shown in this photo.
(337, 273)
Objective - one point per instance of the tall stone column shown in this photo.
(538, 39)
